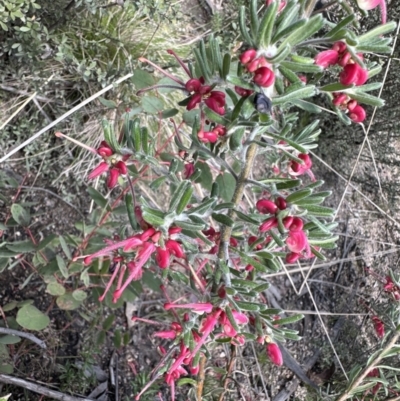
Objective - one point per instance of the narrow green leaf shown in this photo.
(177, 195)
(243, 26)
(64, 247)
(289, 320)
(306, 91)
(226, 66)
(130, 209)
(189, 225)
(313, 25)
(302, 67)
(136, 135)
(234, 80)
(342, 24)
(320, 211)
(378, 31)
(367, 99)
(288, 31)
(145, 139)
(152, 216)
(185, 198)
(296, 196)
(266, 25)
(203, 208)
(223, 219)
(62, 266)
(110, 137)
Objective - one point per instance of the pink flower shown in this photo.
(207, 326)
(296, 168)
(207, 136)
(175, 248)
(162, 258)
(193, 85)
(266, 206)
(296, 241)
(216, 102)
(100, 169)
(292, 257)
(247, 56)
(371, 4)
(264, 77)
(243, 92)
(326, 58)
(297, 224)
(353, 74)
(281, 203)
(274, 353)
(194, 101)
(357, 114)
(142, 257)
(269, 224)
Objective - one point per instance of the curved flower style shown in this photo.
(371, 4)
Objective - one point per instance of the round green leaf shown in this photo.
(30, 317)
(9, 339)
(152, 104)
(79, 295)
(20, 215)
(68, 302)
(55, 289)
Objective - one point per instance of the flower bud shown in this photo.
(112, 178)
(358, 114)
(281, 203)
(266, 206)
(193, 85)
(264, 77)
(162, 258)
(274, 353)
(247, 56)
(268, 224)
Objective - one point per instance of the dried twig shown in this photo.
(39, 389)
(11, 332)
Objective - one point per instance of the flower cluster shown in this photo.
(296, 241)
(113, 163)
(351, 74)
(145, 245)
(260, 68)
(213, 135)
(215, 100)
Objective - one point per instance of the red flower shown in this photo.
(175, 248)
(297, 241)
(162, 258)
(353, 74)
(274, 353)
(264, 77)
(247, 56)
(357, 114)
(281, 203)
(292, 257)
(266, 206)
(269, 224)
(243, 92)
(326, 58)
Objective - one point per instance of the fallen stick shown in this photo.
(39, 389)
